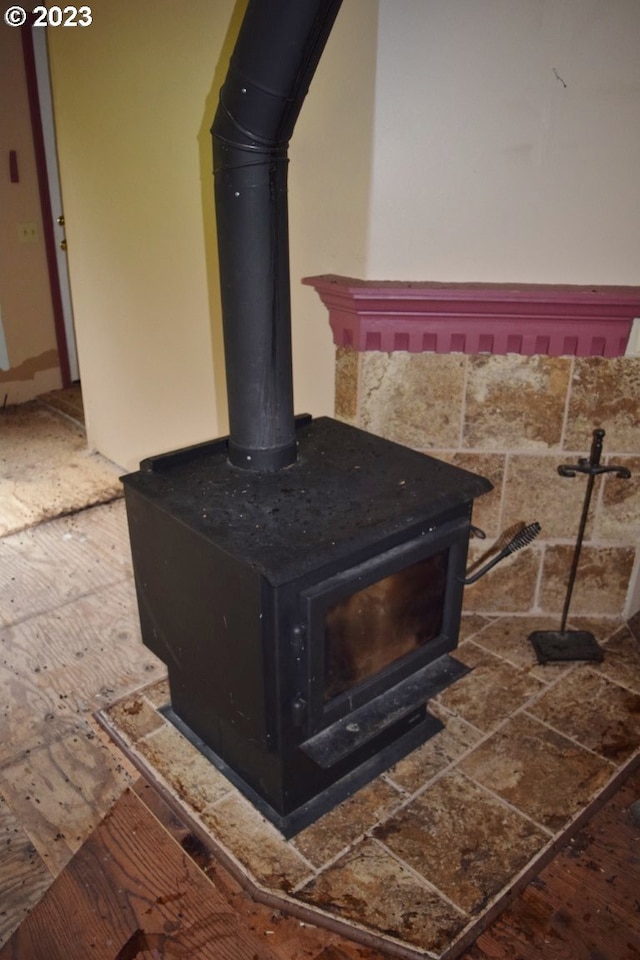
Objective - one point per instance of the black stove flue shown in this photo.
(273, 599)
(274, 59)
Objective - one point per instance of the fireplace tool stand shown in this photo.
(563, 644)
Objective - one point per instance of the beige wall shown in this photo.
(25, 300)
(134, 96)
(130, 96)
(507, 141)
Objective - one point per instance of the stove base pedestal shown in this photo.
(426, 726)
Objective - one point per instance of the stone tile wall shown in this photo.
(515, 419)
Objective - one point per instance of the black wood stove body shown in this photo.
(301, 578)
(305, 615)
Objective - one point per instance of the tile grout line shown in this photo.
(522, 668)
(507, 454)
(419, 876)
(567, 403)
(617, 683)
(571, 739)
(463, 405)
(319, 871)
(511, 806)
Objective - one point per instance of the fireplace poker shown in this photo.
(563, 644)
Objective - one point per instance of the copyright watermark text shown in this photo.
(15, 16)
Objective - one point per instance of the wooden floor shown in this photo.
(143, 886)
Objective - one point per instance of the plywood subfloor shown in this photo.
(69, 644)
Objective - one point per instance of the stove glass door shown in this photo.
(377, 626)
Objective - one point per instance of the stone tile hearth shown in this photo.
(420, 860)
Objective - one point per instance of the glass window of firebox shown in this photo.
(379, 625)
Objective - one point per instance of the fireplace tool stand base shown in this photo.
(555, 646)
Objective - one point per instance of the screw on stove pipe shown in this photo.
(563, 644)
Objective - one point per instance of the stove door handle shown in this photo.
(522, 539)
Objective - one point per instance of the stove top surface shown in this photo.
(348, 490)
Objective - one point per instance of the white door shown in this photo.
(39, 36)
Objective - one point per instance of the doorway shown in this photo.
(36, 62)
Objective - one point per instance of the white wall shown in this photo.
(507, 143)
(130, 96)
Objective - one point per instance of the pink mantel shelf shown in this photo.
(494, 318)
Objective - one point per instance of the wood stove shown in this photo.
(301, 579)
(305, 615)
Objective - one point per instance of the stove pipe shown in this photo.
(276, 54)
